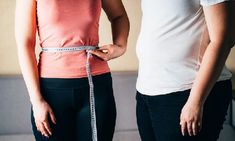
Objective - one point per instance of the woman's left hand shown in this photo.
(108, 52)
(191, 118)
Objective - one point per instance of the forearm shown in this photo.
(120, 30)
(25, 34)
(211, 66)
(28, 64)
(219, 21)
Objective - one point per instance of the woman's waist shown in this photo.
(69, 64)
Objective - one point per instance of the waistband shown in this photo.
(56, 83)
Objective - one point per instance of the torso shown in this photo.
(66, 23)
(171, 46)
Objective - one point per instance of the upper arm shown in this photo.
(25, 22)
(113, 8)
(220, 22)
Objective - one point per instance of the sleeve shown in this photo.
(212, 2)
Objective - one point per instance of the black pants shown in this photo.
(69, 99)
(158, 117)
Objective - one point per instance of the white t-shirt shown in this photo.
(171, 45)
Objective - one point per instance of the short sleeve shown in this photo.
(212, 2)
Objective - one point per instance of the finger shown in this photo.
(43, 130)
(189, 128)
(183, 127)
(195, 128)
(47, 127)
(52, 116)
(99, 54)
(199, 126)
(37, 125)
(104, 49)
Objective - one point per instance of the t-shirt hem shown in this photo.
(171, 90)
(162, 92)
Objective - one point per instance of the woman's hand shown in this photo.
(191, 118)
(109, 52)
(42, 112)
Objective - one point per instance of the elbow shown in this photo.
(25, 42)
(223, 42)
(27, 45)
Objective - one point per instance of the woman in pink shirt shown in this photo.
(71, 86)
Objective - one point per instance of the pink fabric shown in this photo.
(66, 23)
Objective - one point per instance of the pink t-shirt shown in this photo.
(68, 23)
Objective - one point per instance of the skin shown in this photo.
(221, 32)
(25, 34)
(120, 30)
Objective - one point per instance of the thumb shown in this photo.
(52, 116)
(104, 49)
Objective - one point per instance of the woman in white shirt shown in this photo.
(183, 87)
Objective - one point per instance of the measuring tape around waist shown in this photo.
(90, 81)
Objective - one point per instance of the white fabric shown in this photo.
(212, 2)
(170, 46)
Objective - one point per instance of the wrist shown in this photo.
(195, 101)
(122, 47)
(36, 100)
(197, 97)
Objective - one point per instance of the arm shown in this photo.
(25, 34)
(221, 41)
(120, 30)
(221, 33)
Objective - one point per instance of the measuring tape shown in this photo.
(90, 81)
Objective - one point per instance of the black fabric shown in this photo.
(69, 99)
(158, 117)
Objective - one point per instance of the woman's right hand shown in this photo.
(42, 112)
(108, 52)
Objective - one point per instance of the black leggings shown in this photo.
(69, 99)
(158, 117)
